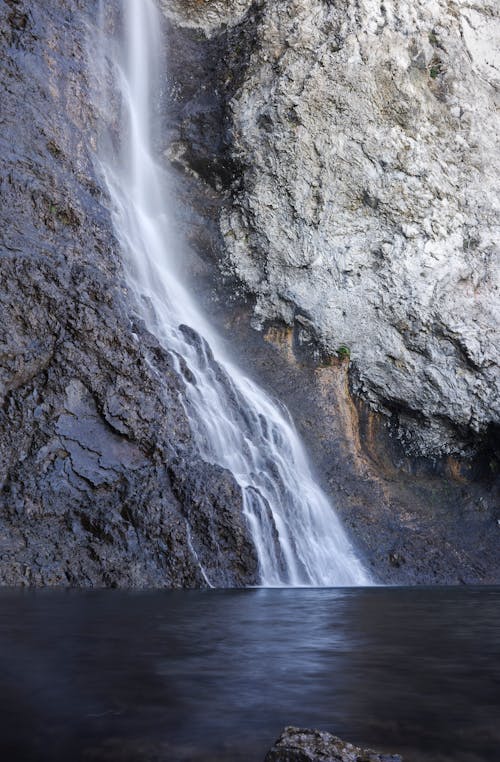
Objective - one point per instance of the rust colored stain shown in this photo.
(455, 469)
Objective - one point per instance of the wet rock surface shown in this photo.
(298, 745)
(100, 481)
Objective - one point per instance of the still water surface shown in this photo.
(214, 676)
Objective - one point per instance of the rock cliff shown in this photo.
(335, 178)
(100, 482)
(368, 210)
(418, 490)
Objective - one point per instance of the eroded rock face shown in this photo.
(297, 745)
(208, 15)
(413, 519)
(100, 483)
(369, 203)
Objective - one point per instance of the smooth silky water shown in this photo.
(297, 535)
(213, 676)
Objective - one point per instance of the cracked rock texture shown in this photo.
(100, 483)
(298, 745)
(368, 137)
(208, 15)
(414, 519)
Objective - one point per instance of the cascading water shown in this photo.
(298, 538)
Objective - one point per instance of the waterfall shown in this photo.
(298, 538)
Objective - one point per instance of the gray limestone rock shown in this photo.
(414, 519)
(208, 15)
(368, 140)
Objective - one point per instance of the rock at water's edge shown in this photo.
(298, 745)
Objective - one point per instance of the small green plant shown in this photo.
(343, 353)
(434, 71)
(67, 216)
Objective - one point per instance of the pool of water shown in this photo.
(214, 676)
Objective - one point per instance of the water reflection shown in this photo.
(214, 675)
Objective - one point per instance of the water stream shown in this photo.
(298, 537)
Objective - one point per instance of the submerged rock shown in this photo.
(297, 745)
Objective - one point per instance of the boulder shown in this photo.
(298, 745)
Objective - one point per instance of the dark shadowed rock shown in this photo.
(100, 482)
(297, 745)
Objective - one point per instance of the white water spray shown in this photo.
(298, 538)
